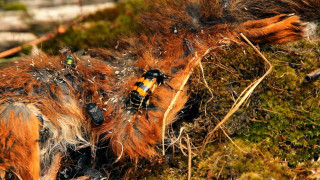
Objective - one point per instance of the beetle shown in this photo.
(69, 60)
(95, 113)
(140, 92)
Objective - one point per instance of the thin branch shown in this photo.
(19, 48)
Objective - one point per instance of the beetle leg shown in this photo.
(171, 86)
(189, 45)
(147, 104)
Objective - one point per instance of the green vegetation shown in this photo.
(99, 29)
(26, 49)
(229, 162)
(4, 61)
(277, 130)
(279, 124)
(13, 6)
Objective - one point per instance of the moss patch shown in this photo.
(99, 29)
(279, 125)
(13, 6)
(229, 162)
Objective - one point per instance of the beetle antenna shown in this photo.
(171, 86)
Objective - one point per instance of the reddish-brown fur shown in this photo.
(175, 35)
(18, 138)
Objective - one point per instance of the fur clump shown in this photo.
(53, 98)
(19, 130)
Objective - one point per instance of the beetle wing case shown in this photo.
(95, 113)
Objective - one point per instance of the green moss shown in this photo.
(14, 6)
(168, 174)
(281, 119)
(3, 61)
(26, 49)
(292, 106)
(229, 162)
(99, 29)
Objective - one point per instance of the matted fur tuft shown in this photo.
(54, 98)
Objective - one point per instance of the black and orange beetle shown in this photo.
(139, 95)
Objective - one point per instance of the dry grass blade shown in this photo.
(177, 139)
(221, 169)
(242, 98)
(193, 62)
(174, 101)
(207, 86)
(182, 147)
(224, 132)
(189, 158)
(120, 156)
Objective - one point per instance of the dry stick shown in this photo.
(242, 98)
(48, 36)
(178, 93)
(19, 48)
(189, 158)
